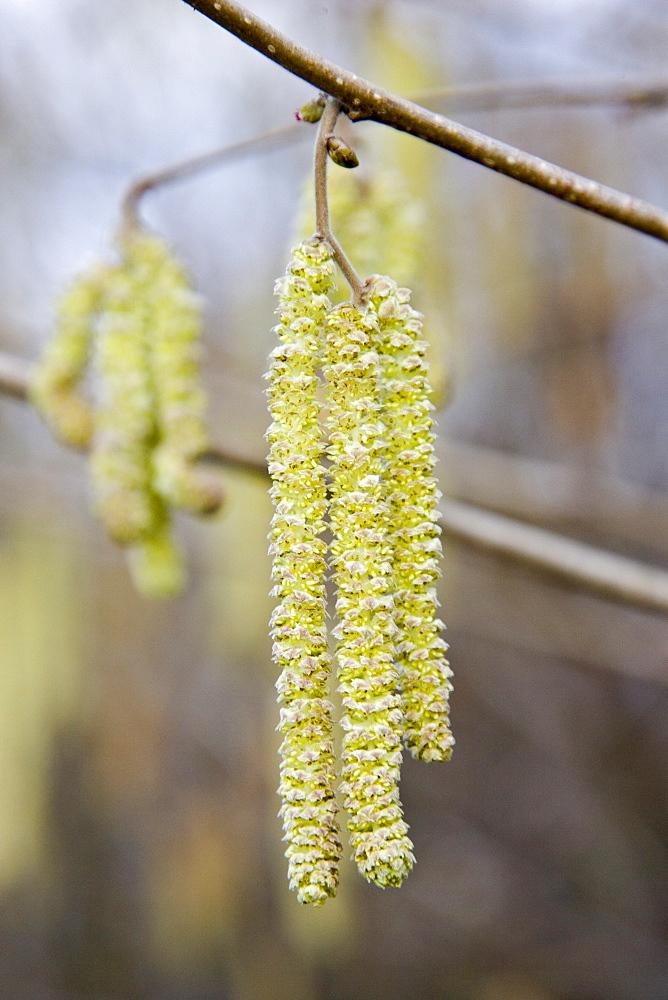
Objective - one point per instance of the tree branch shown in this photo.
(364, 100)
(14, 376)
(14, 381)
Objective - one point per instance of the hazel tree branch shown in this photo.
(14, 376)
(614, 576)
(364, 100)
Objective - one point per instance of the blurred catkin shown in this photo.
(155, 562)
(125, 425)
(140, 322)
(54, 386)
(174, 317)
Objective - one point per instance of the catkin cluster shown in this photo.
(352, 449)
(138, 325)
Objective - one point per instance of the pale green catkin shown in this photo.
(125, 426)
(54, 383)
(150, 419)
(367, 676)
(142, 323)
(412, 496)
(173, 314)
(308, 808)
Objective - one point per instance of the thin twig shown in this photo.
(206, 161)
(330, 115)
(615, 577)
(322, 221)
(364, 100)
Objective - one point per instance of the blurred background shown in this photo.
(140, 853)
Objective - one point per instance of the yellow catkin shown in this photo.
(308, 806)
(392, 674)
(141, 322)
(367, 676)
(412, 496)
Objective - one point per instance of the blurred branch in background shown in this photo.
(630, 95)
(616, 577)
(14, 376)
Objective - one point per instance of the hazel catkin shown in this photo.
(412, 496)
(392, 675)
(125, 424)
(308, 805)
(361, 557)
(140, 323)
(174, 320)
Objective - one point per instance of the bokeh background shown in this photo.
(140, 853)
